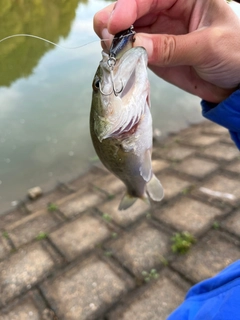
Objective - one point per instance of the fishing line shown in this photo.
(48, 41)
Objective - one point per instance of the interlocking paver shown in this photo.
(196, 167)
(234, 167)
(175, 152)
(142, 249)
(172, 185)
(10, 217)
(222, 151)
(79, 236)
(207, 257)
(188, 215)
(124, 217)
(79, 202)
(5, 247)
(29, 307)
(42, 202)
(199, 140)
(158, 165)
(27, 229)
(228, 189)
(109, 184)
(214, 129)
(86, 291)
(232, 223)
(23, 269)
(155, 303)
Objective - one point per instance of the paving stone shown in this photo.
(188, 215)
(172, 185)
(79, 236)
(124, 217)
(42, 202)
(142, 249)
(234, 167)
(23, 269)
(198, 168)
(5, 247)
(83, 180)
(174, 152)
(229, 189)
(31, 306)
(158, 165)
(222, 151)
(232, 223)
(214, 129)
(154, 303)
(27, 229)
(24, 311)
(86, 290)
(10, 217)
(207, 257)
(227, 139)
(109, 184)
(198, 140)
(79, 202)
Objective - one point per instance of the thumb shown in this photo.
(166, 50)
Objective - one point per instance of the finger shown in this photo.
(191, 49)
(188, 80)
(100, 20)
(127, 12)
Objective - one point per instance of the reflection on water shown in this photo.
(50, 19)
(45, 95)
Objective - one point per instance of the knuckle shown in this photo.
(165, 49)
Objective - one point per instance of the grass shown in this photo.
(107, 217)
(52, 207)
(41, 236)
(150, 275)
(5, 235)
(182, 242)
(216, 225)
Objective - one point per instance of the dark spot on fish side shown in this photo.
(195, 87)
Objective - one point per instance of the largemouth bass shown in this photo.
(121, 123)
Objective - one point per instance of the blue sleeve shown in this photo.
(226, 113)
(217, 298)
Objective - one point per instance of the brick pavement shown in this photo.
(80, 258)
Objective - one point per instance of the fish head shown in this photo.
(119, 93)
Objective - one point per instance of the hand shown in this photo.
(193, 44)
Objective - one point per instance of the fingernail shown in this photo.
(115, 5)
(145, 42)
(107, 37)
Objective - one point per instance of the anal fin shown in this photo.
(155, 189)
(126, 202)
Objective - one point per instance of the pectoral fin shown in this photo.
(155, 189)
(146, 167)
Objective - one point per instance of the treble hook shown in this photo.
(111, 63)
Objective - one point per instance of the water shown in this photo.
(45, 95)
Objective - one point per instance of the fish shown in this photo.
(121, 122)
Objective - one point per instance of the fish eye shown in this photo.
(96, 84)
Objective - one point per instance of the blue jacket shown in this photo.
(217, 298)
(226, 113)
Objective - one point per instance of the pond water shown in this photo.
(45, 95)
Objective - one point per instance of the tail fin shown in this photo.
(155, 189)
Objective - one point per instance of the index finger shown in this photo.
(123, 13)
(126, 12)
